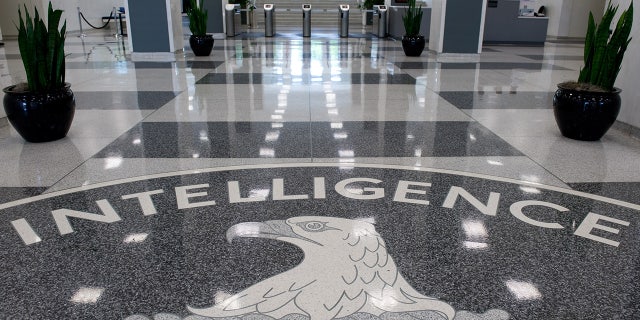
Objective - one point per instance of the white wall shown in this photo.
(559, 13)
(553, 11)
(174, 8)
(9, 15)
(91, 9)
(565, 18)
(629, 77)
(568, 18)
(579, 16)
(438, 12)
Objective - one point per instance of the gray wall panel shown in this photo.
(462, 26)
(214, 18)
(149, 26)
(502, 25)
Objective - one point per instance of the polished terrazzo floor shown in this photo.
(283, 99)
(272, 126)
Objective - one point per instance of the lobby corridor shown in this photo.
(318, 177)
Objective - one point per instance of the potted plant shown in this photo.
(244, 4)
(412, 42)
(43, 108)
(586, 109)
(366, 6)
(251, 6)
(201, 43)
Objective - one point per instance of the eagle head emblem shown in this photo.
(346, 270)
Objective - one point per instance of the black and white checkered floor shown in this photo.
(324, 134)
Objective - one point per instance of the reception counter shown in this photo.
(503, 25)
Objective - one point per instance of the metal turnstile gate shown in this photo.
(269, 20)
(306, 20)
(232, 19)
(344, 20)
(380, 21)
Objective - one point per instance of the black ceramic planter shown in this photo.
(413, 45)
(40, 117)
(585, 115)
(201, 45)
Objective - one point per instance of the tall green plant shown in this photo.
(197, 18)
(412, 19)
(368, 4)
(42, 49)
(603, 53)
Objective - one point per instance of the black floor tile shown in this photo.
(625, 191)
(298, 140)
(477, 65)
(554, 57)
(260, 78)
(212, 140)
(235, 78)
(499, 100)
(8, 194)
(376, 78)
(407, 139)
(203, 64)
(128, 100)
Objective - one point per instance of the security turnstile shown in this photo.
(306, 20)
(344, 20)
(269, 20)
(232, 19)
(380, 21)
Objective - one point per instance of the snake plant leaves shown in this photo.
(42, 49)
(603, 50)
(412, 19)
(197, 18)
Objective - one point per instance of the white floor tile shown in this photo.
(43, 164)
(613, 159)
(517, 122)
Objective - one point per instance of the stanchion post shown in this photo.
(120, 13)
(82, 35)
(113, 14)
